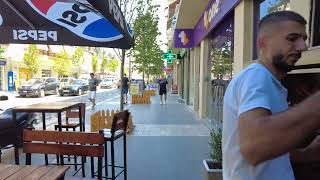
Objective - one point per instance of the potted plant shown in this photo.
(213, 166)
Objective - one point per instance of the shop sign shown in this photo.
(183, 38)
(3, 63)
(10, 81)
(215, 12)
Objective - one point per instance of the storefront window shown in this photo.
(263, 8)
(46, 73)
(221, 66)
(316, 23)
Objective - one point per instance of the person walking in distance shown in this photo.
(261, 134)
(163, 90)
(93, 83)
(125, 88)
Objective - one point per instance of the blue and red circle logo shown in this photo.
(79, 20)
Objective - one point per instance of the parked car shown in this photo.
(39, 87)
(65, 81)
(108, 83)
(75, 87)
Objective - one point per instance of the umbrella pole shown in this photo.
(121, 77)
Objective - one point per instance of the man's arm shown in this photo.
(307, 154)
(264, 136)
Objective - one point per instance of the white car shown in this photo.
(107, 83)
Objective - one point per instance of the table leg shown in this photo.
(16, 147)
(60, 129)
(84, 119)
(46, 161)
(80, 119)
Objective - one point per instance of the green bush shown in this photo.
(216, 144)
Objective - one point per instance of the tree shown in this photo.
(31, 59)
(77, 59)
(147, 52)
(94, 64)
(1, 52)
(62, 64)
(104, 64)
(113, 65)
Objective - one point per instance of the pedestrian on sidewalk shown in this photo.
(93, 83)
(260, 134)
(163, 90)
(125, 88)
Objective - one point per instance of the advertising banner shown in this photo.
(134, 89)
(64, 22)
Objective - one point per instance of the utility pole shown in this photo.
(121, 77)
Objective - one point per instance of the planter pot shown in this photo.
(212, 170)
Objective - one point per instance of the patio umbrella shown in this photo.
(97, 23)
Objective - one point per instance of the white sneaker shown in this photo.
(161, 103)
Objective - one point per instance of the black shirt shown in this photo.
(163, 84)
(125, 83)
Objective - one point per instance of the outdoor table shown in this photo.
(13, 172)
(54, 107)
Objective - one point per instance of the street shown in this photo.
(102, 95)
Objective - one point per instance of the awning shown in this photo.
(97, 23)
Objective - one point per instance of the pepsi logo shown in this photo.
(77, 19)
(1, 20)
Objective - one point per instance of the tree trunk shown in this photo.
(142, 80)
(121, 77)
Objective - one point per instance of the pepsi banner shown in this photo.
(98, 23)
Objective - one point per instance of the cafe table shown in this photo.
(52, 107)
(26, 172)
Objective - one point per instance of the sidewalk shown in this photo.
(167, 143)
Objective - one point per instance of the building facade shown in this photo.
(219, 39)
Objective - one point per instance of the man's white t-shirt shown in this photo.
(254, 87)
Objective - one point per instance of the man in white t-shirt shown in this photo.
(260, 134)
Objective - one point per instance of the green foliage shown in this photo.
(31, 59)
(94, 64)
(2, 50)
(77, 59)
(222, 61)
(104, 64)
(113, 64)
(216, 144)
(146, 53)
(62, 63)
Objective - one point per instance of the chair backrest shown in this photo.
(74, 113)
(120, 121)
(63, 143)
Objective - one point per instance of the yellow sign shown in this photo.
(134, 89)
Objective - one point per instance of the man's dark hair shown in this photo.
(91, 74)
(281, 16)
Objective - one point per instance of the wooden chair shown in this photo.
(118, 130)
(65, 143)
(74, 113)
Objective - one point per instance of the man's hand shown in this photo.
(313, 150)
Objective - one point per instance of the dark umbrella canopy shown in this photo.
(98, 23)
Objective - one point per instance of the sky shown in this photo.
(162, 13)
